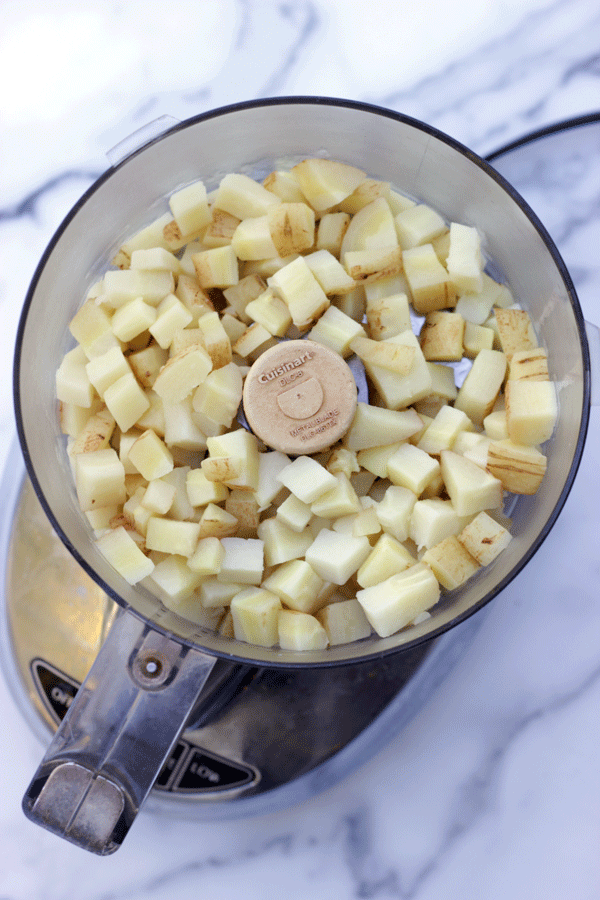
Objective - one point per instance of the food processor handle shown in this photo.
(116, 735)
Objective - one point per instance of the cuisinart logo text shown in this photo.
(265, 377)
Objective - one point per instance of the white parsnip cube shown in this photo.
(182, 374)
(344, 622)
(95, 434)
(243, 561)
(99, 479)
(292, 228)
(476, 338)
(331, 230)
(476, 307)
(336, 557)
(252, 239)
(326, 182)
(181, 431)
(329, 272)
(294, 513)
(91, 327)
(255, 613)
(215, 339)
(285, 186)
(172, 316)
(366, 266)
(531, 411)
(150, 456)
(484, 538)
(217, 267)
(307, 479)
(412, 468)
(515, 331)
(122, 552)
(450, 562)
(470, 488)
(442, 336)
(201, 491)
(207, 557)
(300, 631)
(430, 285)
(300, 290)
(480, 389)
(155, 258)
(123, 285)
(104, 370)
(282, 543)
(126, 400)
(297, 585)
(341, 500)
(239, 295)
(254, 340)
(528, 365)
(387, 316)
(158, 497)
(336, 330)
(520, 468)
(400, 391)
(73, 384)
(465, 261)
(241, 196)
(151, 235)
(217, 522)
(171, 536)
(419, 224)
(219, 395)
(147, 363)
(375, 459)
(271, 312)
(368, 191)
(174, 581)
(214, 593)
(268, 489)
(372, 228)
(373, 425)
(395, 510)
(432, 521)
(241, 447)
(442, 432)
(190, 208)
(396, 602)
(388, 557)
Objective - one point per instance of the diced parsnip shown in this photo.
(91, 327)
(182, 374)
(400, 391)
(201, 491)
(181, 508)
(307, 479)
(484, 538)
(244, 198)
(170, 536)
(375, 459)
(271, 312)
(519, 468)
(193, 297)
(344, 622)
(155, 258)
(282, 543)
(397, 358)
(173, 580)
(300, 290)
(326, 182)
(127, 284)
(241, 447)
(531, 411)
(121, 551)
(442, 432)
(352, 304)
(366, 266)
(252, 239)
(330, 273)
(215, 339)
(294, 513)
(239, 295)
(372, 228)
(73, 384)
(181, 430)
(366, 523)
(147, 363)
(255, 613)
(465, 261)
(432, 520)
(395, 603)
(233, 327)
(528, 365)
(372, 424)
(476, 338)
(220, 231)
(470, 487)
(207, 557)
(368, 191)
(419, 224)
(336, 330)
(151, 235)
(480, 389)
(243, 505)
(515, 331)
(339, 501)
(496, 426)
(95, 434)
(214, 593)
(99, 479)
(451, 563)
(343, 460)
(172, 316)
(387, 558)
(412, 468)
(442, 382)
(190, 208)
(297, 585)
(217, 267)
(442, 336)
(291, 227)
(126, 400)
(150, 456)
(219, 395)
(395, 510)
(387, 316)
(330, 232)
(336, 557)
(104, 370)
(254, 340)
(428, 280)
(300, 631)
(217, 522)
(476, 307)
(158, 497)
(270, 464)
(243, 561)
(285, 186)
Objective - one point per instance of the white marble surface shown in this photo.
(493, 790)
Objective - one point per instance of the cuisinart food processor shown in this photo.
(153, 704)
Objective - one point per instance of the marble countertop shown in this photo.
(492, 790)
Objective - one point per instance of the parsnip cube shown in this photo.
(366, 523)
(300, 631)
(480, 389)
(442, 384)
(531, 411)
(515, 331)
(284, 185)
(104, 370)
(400, 391)
(271, 312)
(254, 340)
(201, 491)
(496, 426)
(292, 227)
(241, 196)
(190, 208)
(182, 374)
(352, 304)
(373, 424)
(207, 557)
(243, 561)
(450, 562)
(394, 603)
(375, 459)
(294, 513)
(395, 510)
(243, 505)
(326, 182)
(329, 272)
(220, 231)
(96, 433)
(99, 479)
(476, 307)
(123, 285)
(443, 430)
(147, 363)
(339, 501)
(239, 295)
(193, 297)
(470, 488)
(173, 580)
(432, 521)
(484, 538)
(255, 614)
(368, 191)
(217, 267)
(149, 236)
(336, 557)
(270, 464)
(155, 258)
(344, 622)
(388, 557)
(241, 447)
(282, 543)
(419, 224)
(366, 266)
(297, 585)
(171, 317)
(476, 338)
(442, 336)
(217, 522)
(158, 497)
(336, 330)
(126, 400)
(214, 593)
(464, 262)
(429, 282)
(412, 468)
(252, 239)
(300, 290)
(215, 339)
(181, 431)
(150, 456)
(372, 228)
(219, 395)
(171, 536)
(330, 232)
(72, 380)
(519, 468)
(122, 552)
(91, 327)
(307, 479)
(387, 316)
(529, 365)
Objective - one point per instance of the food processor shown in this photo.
(152, 705)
